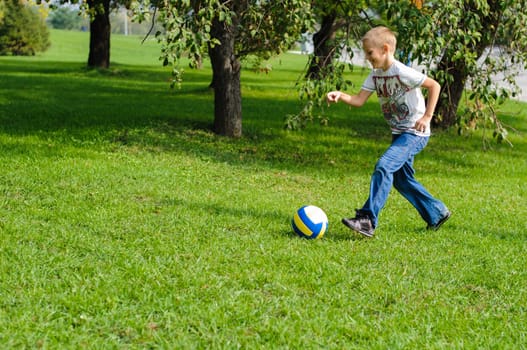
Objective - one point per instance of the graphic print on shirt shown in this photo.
(391, 92)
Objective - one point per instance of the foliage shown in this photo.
(262, 28)
(348, 20)
(126, 224)
(312, 95)
(468, 43)
(2, 10)
(22, 31)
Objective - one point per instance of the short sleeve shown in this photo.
(368, 84)
(411, 77)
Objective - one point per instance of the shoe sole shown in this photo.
(366, 234)
(441, 222)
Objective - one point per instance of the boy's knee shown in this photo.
(381, 167)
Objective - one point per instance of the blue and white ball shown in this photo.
(310, 222)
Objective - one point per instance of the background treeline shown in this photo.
(70, 18)
(24, 26)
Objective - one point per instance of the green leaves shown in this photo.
(312, 92)
(262, 28)
(340, 27)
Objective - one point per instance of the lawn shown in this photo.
(126, 223)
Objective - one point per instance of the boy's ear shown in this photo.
(387, 49)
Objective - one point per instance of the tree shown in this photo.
(22, 30)
(100, 28)
(100, 31)
(341, 24)
(344, 16)
(228, 31)
(465, 44)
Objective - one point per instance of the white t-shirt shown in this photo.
(399, 93)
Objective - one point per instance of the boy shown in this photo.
(403, 106)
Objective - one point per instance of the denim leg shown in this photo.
(430, 208)
(400, 153)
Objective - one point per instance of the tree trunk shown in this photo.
(451, 93)
(226, 69)
(99, 56)
(324, 49)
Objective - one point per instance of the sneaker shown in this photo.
(361, 223)
(440, 222)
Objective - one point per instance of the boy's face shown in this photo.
(376, 55)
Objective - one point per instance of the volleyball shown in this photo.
(310, 222)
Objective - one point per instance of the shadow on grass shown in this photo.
(237, 213)
(133, 105)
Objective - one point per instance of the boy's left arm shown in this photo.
(433, 88)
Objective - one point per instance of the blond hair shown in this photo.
(380, 36)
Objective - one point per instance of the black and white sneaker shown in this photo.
(361, 223)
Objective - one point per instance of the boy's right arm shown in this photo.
(352, 100)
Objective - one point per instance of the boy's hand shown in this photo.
(333, 96)
(351, 100)
(423, 123)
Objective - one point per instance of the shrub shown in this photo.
(22, 31)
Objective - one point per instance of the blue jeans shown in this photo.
(396, 167)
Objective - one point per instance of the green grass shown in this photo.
(126, 223)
